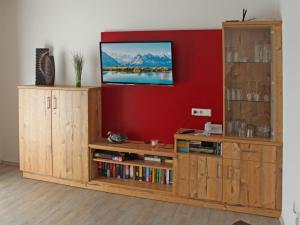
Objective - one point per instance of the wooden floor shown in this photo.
(24, 201)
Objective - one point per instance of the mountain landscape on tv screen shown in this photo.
(137, 63)
(139, 60)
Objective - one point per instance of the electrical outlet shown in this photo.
(201, 112)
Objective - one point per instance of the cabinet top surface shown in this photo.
(220, 138)
(135, 147)
(56, 87)
(252, 23)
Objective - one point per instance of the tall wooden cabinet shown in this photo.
(56, 126)
(252, 159)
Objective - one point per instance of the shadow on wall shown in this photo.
(95, 66)
(62, 67)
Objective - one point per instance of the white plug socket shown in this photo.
(201, 112)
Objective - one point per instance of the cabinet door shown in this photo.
(183, 175)
(231, 181)
(269, 178)
(205, 177)
(257, 183)
(35, 131)
(214, 178)
(70, 134)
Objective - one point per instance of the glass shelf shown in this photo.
(251, 101)
(248, 62)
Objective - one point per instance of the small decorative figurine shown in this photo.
(116, 138)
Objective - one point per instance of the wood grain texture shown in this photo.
(94, 114)
(183, 175)
(205, 177)
(256, 185)
(70, 134)
(35, 131)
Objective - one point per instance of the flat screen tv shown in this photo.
(137, 62)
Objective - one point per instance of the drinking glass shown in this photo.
(238, 94)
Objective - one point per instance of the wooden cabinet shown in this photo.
(250, 175)
(56, 125)
(199, 177)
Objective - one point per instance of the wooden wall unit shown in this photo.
(60, 130)
(56, 126)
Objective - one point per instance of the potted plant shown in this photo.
(78, 65)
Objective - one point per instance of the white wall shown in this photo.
(8, 81)
(72, 25)
(290, 10)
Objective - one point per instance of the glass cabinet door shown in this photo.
(248, 82)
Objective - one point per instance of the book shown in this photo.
(152, 159)
(167, 176)
(140, 173)
(131, 172)
(153, 175)
(147, 174)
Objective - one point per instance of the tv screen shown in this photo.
(137, 62)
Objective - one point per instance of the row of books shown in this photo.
(149, 175)
(205, 147)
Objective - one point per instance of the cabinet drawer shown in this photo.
(249, 152)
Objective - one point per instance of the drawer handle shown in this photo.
(229, 172)
(54, 103)
(48, 103)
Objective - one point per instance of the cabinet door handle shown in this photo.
(218, 170)
(54, 103)
(229, 172)
(48, 103)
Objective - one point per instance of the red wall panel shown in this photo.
(156, 112)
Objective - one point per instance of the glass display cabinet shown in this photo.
(252, 79)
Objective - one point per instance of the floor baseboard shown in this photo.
(16, 164)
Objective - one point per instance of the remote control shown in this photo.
(186, 131)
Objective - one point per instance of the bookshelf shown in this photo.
(138, 163)
(154, 176)
(135, 147)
